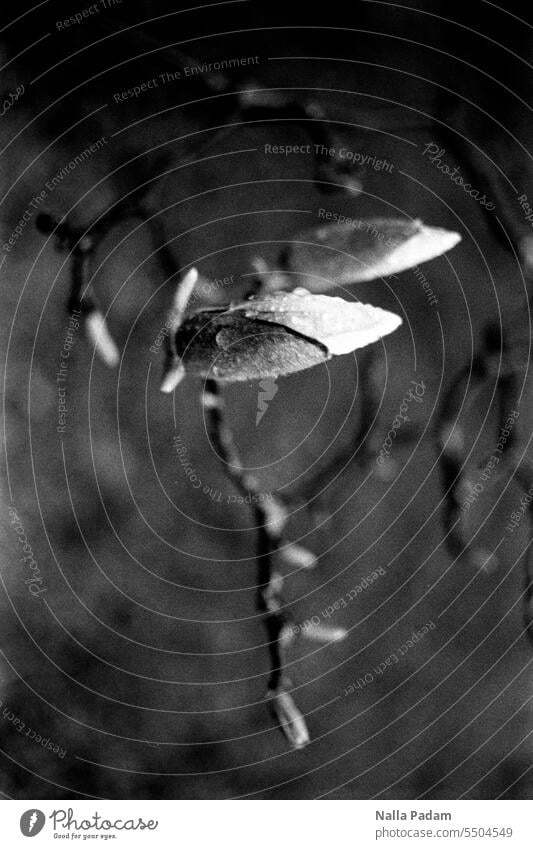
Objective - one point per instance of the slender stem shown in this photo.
(271, 515)
(271, 518)
(270, 521)
(83, 243)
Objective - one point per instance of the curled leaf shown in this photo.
(289, 717)
(359, 250)
(277, 334)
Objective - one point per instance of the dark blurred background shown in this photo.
(144, 659)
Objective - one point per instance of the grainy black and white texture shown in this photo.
(341, 552)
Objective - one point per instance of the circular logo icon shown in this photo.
(32, 822)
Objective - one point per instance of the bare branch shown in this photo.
(271, 518)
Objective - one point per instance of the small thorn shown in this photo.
(181, 297)
(99, 335)
(484, 560)
(210, 400)
(276, 517)
(525, 251)
(452, 440)
(289, 717)
(271, 280)
(260, 266)
(254, 96)
(85, 244)
(324, 633)
(287, 636)
(298, 557)
(172, 377)
(386, 471)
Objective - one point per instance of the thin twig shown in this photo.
(271, 518)
(274, 553)
(82, 244)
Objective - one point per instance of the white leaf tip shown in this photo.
(370, 324)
